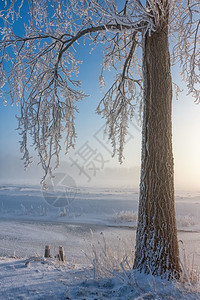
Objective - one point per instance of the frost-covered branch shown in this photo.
(116, 106)
(39, 65)
(38, 68)
(185, 32)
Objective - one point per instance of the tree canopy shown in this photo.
(39, 66)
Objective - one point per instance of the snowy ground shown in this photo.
(28, 223)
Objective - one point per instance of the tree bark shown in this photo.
(156, 241)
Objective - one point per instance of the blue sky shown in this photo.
(186, 137)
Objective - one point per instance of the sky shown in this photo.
(102, 169)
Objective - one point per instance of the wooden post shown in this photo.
(61, 253)
(47, 251)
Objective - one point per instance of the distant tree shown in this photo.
(38, 70)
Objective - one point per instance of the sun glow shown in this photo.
(187, 144)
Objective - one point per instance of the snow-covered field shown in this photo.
(78, 219)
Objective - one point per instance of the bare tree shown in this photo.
(38, 70)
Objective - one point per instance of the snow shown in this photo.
(32, 279)
(39, 278)
(96, 219)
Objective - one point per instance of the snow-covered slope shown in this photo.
(28, 222)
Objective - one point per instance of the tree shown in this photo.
(38, 69)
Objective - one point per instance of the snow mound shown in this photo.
(125, 216)
(186, 221)
(37, 278)
(135, 286)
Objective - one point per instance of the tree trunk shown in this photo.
(156, 241)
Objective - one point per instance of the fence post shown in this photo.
(47, 251)
(61, 253)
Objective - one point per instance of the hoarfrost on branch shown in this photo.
(39, 68)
